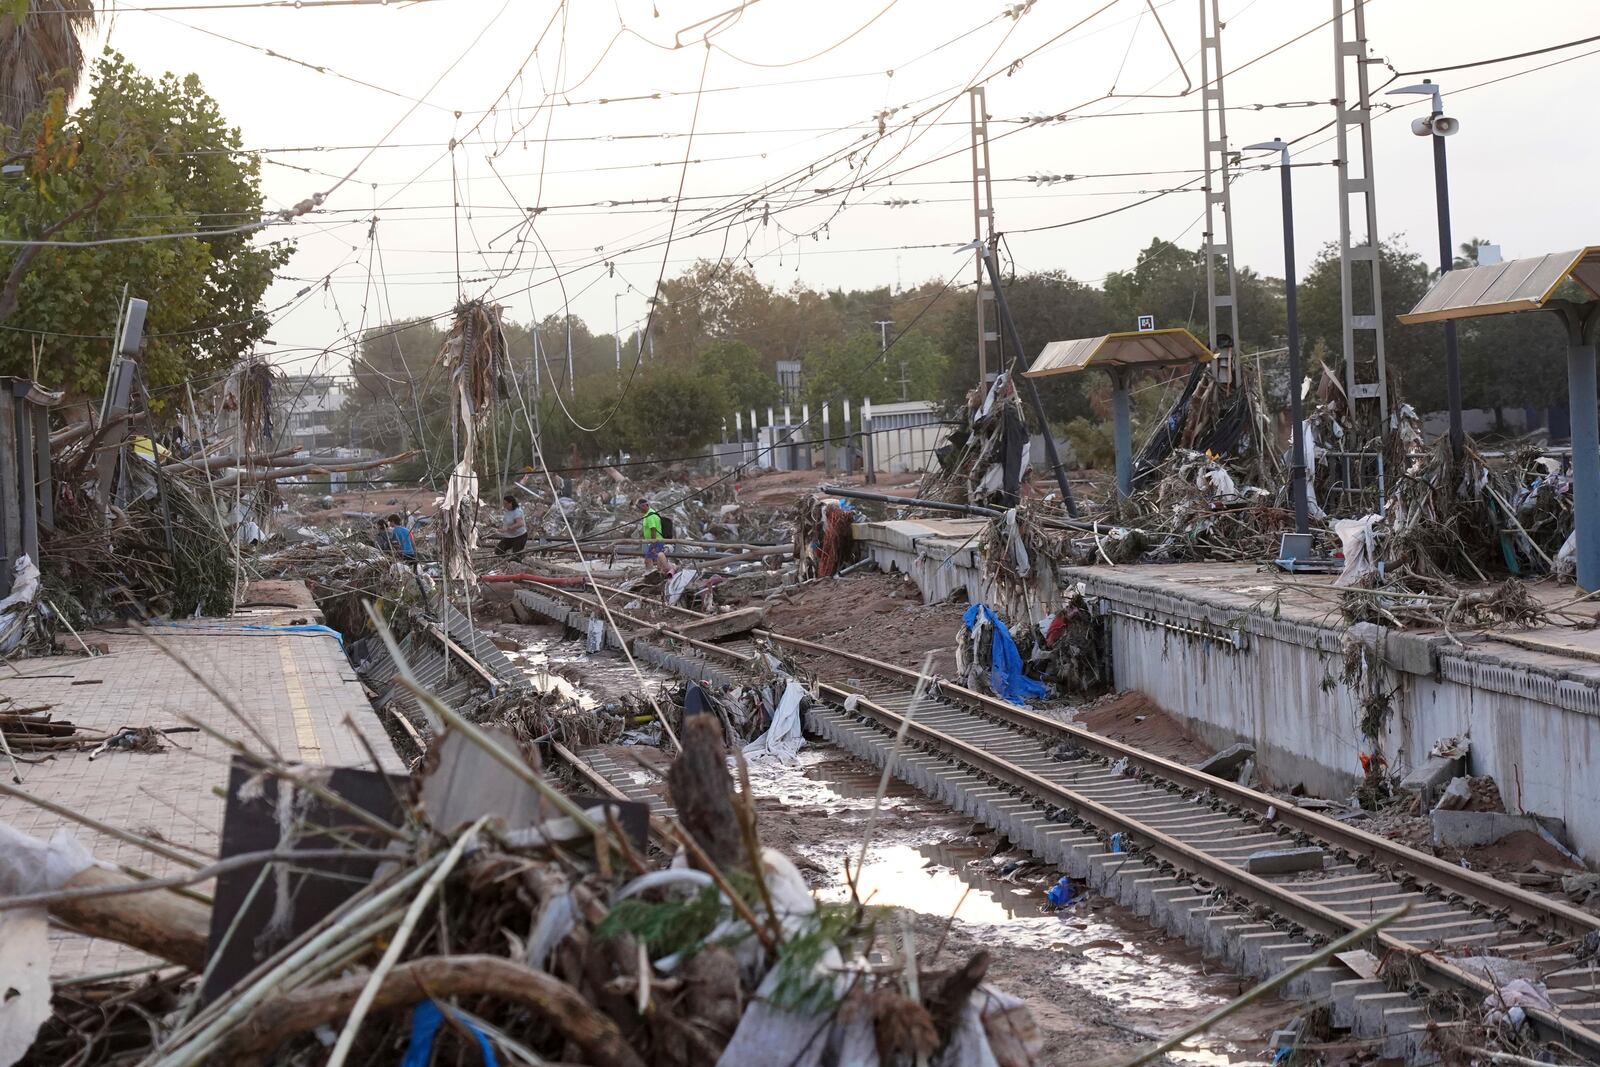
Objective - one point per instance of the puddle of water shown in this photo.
(1096, 949)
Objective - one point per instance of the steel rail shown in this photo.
(1564, 919)
(1302, 911)
(1298, 909)
(1569, 921)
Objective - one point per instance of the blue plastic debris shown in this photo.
(426, 1018)
(1061, 895)
(1005, 662)
(1116, 842)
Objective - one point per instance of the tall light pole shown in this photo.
(1439, 126)
(616, 331)
(1297, 447)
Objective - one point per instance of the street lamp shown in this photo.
(1439, 126)
(1297, 448)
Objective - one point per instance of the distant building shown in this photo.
(311, 409)
(789, 379)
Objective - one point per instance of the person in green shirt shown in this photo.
(650, 529)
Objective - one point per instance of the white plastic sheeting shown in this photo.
(29, 865)
(783, 738)
(1360, 545)
(15, 609)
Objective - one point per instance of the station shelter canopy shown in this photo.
(1501, 288)
(1118, 351)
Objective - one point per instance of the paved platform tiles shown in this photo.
(296, 688)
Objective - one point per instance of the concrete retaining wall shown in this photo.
(1534, 722)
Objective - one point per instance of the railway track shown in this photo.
(1182, 842)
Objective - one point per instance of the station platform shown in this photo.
(296, 688)
(1244, 652)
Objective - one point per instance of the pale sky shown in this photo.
(797, 83)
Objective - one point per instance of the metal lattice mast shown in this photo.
(1360, 288)
(1222, 312)
(983, 230)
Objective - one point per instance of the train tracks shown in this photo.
(1174, 844)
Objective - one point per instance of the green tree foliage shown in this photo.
(396, 385)
(1415, 354)
(1170, 283)
(144, 157)
(852, 368)
(1047, 306)
(671, 412)
(708, 302)
(737, 369)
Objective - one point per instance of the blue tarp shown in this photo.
(426, 1018)
(223, 627)
(1005, 663)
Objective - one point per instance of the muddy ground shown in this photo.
(877, 615)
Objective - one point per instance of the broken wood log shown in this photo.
(438, 977)
(718, 626)
(702, 791)
(271, 474)
(281, 457)
(159, 922)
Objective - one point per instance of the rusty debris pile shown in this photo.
(822, 541)
(482, 906)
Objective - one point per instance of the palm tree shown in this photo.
(40, 51)
(1469, 252)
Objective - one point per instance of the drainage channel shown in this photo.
(1181, 853)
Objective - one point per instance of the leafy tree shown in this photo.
(708, 302)
(852, 369)
(143, 158)
(1170, 283)
(737, 368)
(669, 411)
(1414, 354)
(395, 383)
(40, 51)
(1047, 306)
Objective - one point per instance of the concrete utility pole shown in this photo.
(983, 232)
(883, 333)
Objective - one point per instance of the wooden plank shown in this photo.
(719, 626)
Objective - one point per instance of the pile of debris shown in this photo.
(474, 909)
(984, 460)
(822, 539)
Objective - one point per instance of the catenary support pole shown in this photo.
(1581, 403)
(1297, 448)
(1020, 362)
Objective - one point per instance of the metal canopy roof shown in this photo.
(1501, 288)
(1112, 351)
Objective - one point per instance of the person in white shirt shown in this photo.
(513, 529)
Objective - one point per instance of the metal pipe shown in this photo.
(909, 501)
